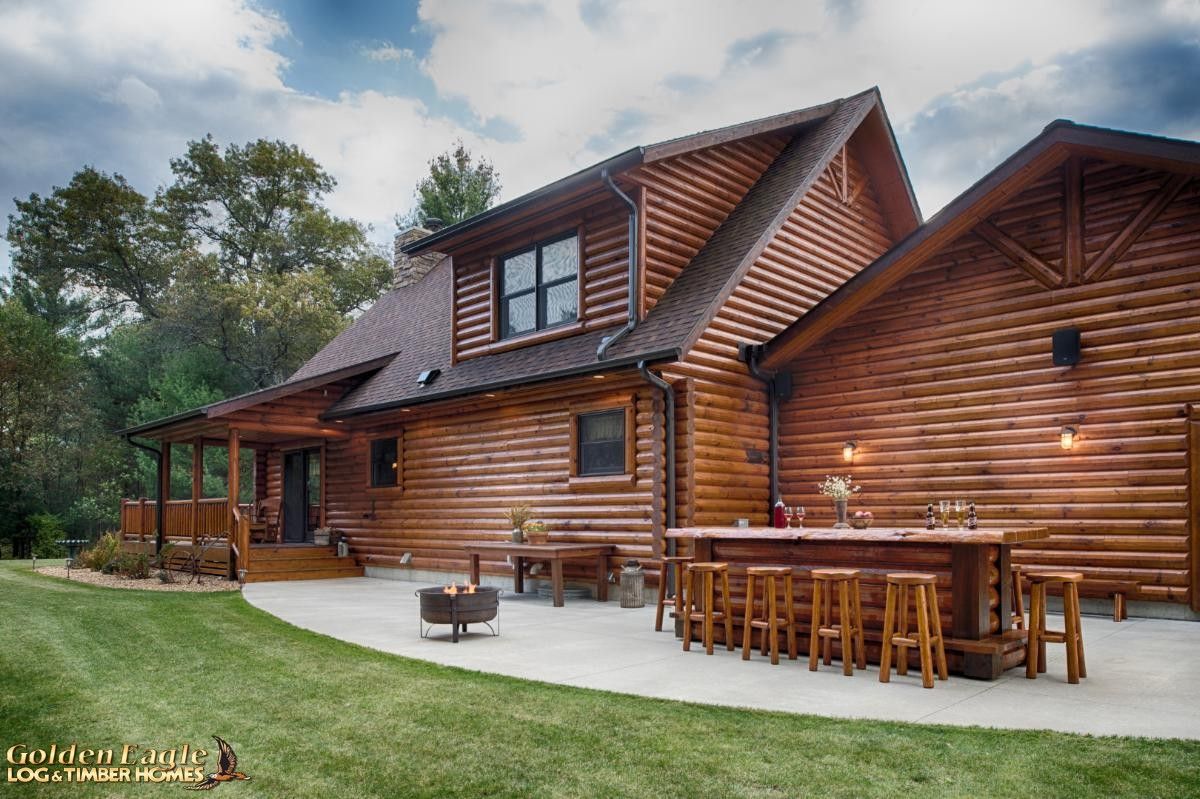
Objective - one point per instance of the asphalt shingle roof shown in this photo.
(414, 322)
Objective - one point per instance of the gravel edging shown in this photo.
(211, 584)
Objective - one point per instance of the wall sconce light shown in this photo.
(848, 451)
(1067, 437)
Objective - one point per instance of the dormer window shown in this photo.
(539, 286)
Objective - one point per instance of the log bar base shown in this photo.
(973, 600)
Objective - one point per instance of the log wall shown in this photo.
(837, 228)
(688, 197)
(464, 463)
(946, 382)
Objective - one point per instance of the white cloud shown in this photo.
(388, 52)
(124, 85)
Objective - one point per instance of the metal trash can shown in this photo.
(633, 584)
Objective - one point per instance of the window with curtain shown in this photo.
(601, 442)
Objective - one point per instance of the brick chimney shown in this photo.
(408, 270)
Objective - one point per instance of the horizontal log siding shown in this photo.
(687, 198)
(823, 243)
(947, 384)
(603, 273)
(465, 463)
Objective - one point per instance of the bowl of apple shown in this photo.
(861, 519)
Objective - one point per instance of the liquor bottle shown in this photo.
(781, 519)
(929, 522)
(972, 519)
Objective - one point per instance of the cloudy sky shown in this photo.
(545, 87)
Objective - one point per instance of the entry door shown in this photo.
(296, 529)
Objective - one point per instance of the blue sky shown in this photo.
(545, 87)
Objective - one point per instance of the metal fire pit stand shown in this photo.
(454, 623)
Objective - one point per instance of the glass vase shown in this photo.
(840, 507)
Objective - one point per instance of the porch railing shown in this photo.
(181, 517)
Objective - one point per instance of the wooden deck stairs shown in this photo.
(299, 562)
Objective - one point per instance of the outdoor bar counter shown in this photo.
(971, 566)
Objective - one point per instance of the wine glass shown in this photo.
(799, 516)
(944, 507)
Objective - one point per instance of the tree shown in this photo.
(123, 307)
(91, 251)
(456, 188)
(238, 254)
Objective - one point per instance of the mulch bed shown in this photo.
(151, 583)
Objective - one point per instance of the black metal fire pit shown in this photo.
(459, 609)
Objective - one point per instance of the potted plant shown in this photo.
(839, 489)
(322, 536)
(536, 532)
(517, 515)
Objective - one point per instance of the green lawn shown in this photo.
(311, 716)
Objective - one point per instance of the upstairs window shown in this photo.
(539, 286)
(385, 462)
(601, 442)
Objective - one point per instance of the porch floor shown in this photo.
(1140, 671)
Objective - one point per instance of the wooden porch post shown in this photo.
(234, 477)
(164, 492)
(197, 485)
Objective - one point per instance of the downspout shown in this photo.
(160, 506)
(750, 354)
(631, 319)
(668, 442)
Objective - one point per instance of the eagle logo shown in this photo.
(226, 769)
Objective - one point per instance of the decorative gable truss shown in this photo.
(1070, 265)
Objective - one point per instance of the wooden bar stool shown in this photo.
(1072, 636)
(704, 612)
(929, 627)
(771, 621)
(1018, 599)
(849, 626)
(677, 564)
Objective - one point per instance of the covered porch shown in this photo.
(243, 495)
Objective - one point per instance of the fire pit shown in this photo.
(459, 606)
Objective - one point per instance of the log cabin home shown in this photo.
(682, 333)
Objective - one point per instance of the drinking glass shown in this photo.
(944, 507)
(960, 508)
(799, 517)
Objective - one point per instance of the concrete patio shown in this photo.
(1141, 672)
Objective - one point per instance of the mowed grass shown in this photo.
(311, 716)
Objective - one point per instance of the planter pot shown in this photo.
(321, 539)
(537, 538)
(839, 507)
(517, 536)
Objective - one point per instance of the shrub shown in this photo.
(134, 565)
(99, 554)
(48, 530)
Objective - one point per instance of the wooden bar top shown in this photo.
(916, 535)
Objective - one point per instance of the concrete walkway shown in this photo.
(1142, 672)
